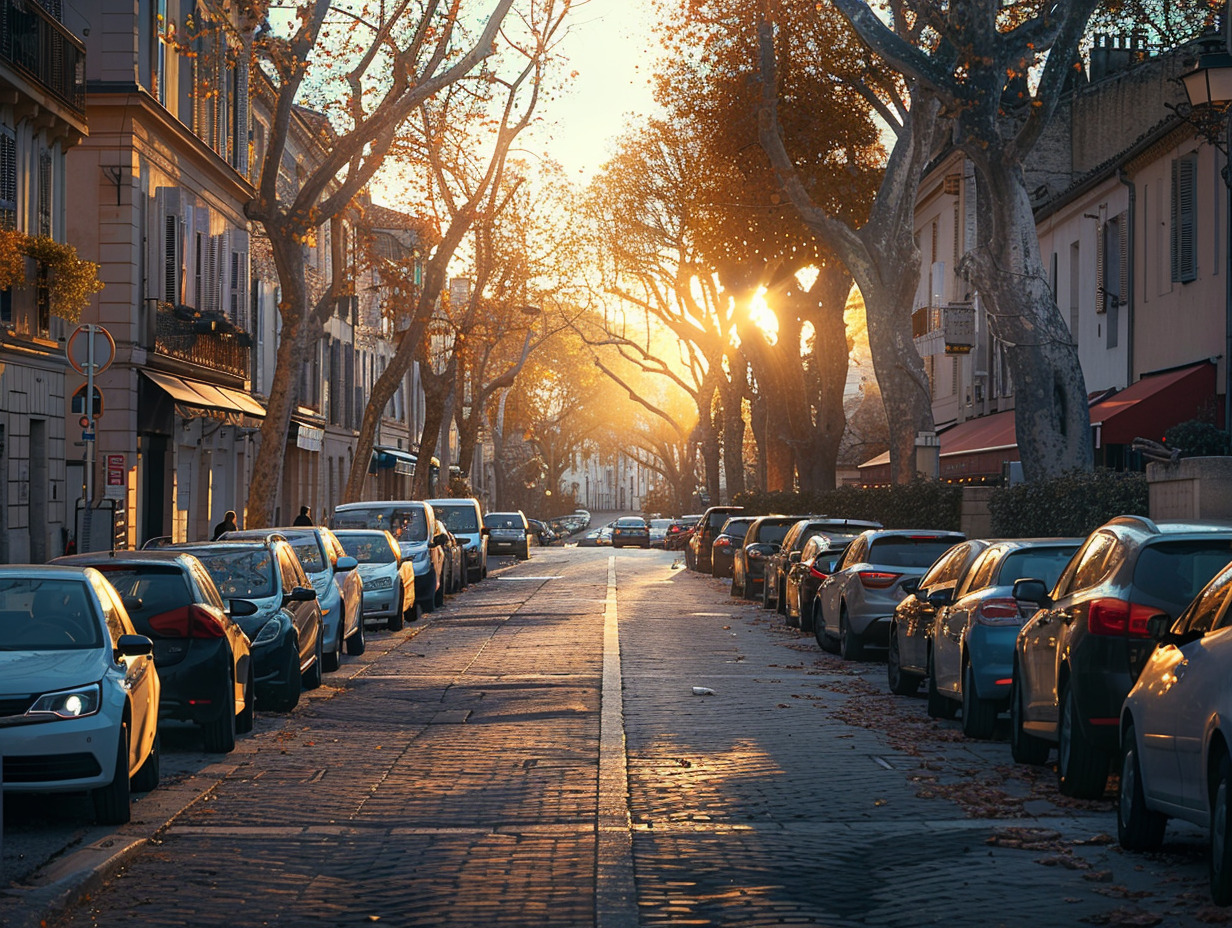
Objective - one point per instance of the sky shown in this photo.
(612, 47)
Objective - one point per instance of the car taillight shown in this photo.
(877, 579)
(817, 574)
(722, 542)
(192, 621)
(1118, 617)
(999, 612)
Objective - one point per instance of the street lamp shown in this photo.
(1209, 89)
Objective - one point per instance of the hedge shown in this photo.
(920, 504)
(1074, 504)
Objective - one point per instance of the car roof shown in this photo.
(29, 571)
(151, 555)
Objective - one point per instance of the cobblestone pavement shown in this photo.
(449, 777)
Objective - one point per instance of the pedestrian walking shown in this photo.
(226, 525)
(304, 517)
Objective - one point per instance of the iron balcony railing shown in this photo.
(37, 45)
(209, 341)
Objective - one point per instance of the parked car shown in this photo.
(1176, 732)
(659, 529)
(508, 533)
(340, 589)
(816, 561)
(631, 531)
(597, 537)
(761, 540)
(454, 580)
(910, 652)
(701, 543)
(681, 533)
(974, 630)
(729, 538)
(79, 690)
(854, 605)
(464, 518)
(414, 525)
(285, 629)
(202, 654)
(778, 563)
(1077, 657)
(389, 578)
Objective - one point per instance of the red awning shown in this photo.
(987, 433)
(1154, 404)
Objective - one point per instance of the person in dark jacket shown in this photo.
(226, 525)
(304, 517)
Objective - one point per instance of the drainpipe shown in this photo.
(1131, 218)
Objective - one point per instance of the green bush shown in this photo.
(1074, 504)
(920, 504)
(1196, 438)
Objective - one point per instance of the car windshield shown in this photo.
(240, 574)
(458, 519)
(308, 550)
(1174, 571)
(503, 520)
(47, 615)
(630, 523)
(1040, 563)
(406, 523)
(736, 527)
(149, 591)
(908, 550)
(770, 533)
(662, 523)
(368, 549)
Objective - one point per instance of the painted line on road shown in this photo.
(615, 889)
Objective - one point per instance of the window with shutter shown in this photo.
(8, 178)
(44, 193)
(1184, 218)
(1101, 297)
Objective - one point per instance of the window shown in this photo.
(8, 178)
(1092, 565)
(1184, 251)
(44, 193)
(1206, 607)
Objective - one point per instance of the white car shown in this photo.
(78, 689)
(389, 579)
(421, 539)
(1176, 732)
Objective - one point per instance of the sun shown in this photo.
(763, 316)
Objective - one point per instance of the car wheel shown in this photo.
(312, 676)
(333, 660)
(850, 647)
(525, 555)
(438, 598)
(979, 716)
(805, 619)
(1221, 834)
(397, 618)
(795, 621)
(780, 600)
(688, 560)
(218, 736)
(1025, 747)
(244, 721)
(824, 641)
(356, 642)
(901, 683)
(113, 802)
(146, 778)
(1082, 769)
(1139, 828)
(737, 589)
(939, 706)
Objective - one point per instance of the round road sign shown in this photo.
(86, 338)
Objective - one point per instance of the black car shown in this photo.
(815, 561)
(631, 531)
(697, 555)
(201, 653)
(508, 533)
(1078, 656)
(286, 628)
(778, 564)
(729, 538)
(761, 540)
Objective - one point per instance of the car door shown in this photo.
(916, 614)
(951, 622)
(1179, 696)
(830, 592)
(305, 616)
(350, 584)
(140, 676)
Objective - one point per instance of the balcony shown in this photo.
(37, 46)
(209, 342)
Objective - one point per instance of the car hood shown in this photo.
(41, 671)
(367, 571)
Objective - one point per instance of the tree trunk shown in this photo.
(1052, 420)
(436, 388)
(733, 392)
(825, 383)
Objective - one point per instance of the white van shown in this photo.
(464, 518)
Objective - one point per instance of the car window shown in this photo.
(772, 533)
(159, 589)
(1093, 563)
(946, 568)
(982, 571)
(811, 547)
(1172, 572)
(292, 573)
(1201, 616)
(47, 615)
(117, 619)
(504, 521)
(308, 550)
(716, 520)
(854, 554)
(206, 586)
(1040, 563)
(908, 550)
(241, 573)
(458, 518)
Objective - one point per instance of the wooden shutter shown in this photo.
(1184, 224)
(1101, 298)
(8, 179)
(1123, 247)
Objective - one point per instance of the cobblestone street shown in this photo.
(452, 776)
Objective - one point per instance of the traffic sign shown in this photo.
(79, 402)
(90, 345)
(87, 436)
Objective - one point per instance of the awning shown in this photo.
(1154, 404)
(307, 436)
(402, 462)
(197, 394)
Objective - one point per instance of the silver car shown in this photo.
(856, 603)
(389, 579)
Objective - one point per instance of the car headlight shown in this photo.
(269, 632)
(378, 583)
(69, 704)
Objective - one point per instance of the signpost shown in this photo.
(90, 350)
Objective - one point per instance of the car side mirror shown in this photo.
(793, 557)
(940, 598)
(301, 594)
(485, 531)
(1158, 626)
(910, 585)
(242, 607)
(132, 603)
(134, 646)
(346, 563)
(1034, 591)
